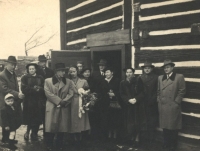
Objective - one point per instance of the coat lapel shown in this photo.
(166, 82)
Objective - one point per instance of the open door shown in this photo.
(70, 57)
(114, 55)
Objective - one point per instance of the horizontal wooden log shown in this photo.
(190, 107)
(170, 40)
(192, 90)
(115, 12)
(188, 72)
(169, 23)
(191, 121)
(76, 46)
(72, 3)
(109, 38)
(147, 1)
(174, 55)
(187, 129)
(97, 5)
(166, 9)
(111, 26)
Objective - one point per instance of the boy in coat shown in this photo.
(10, 120)
(171, 89)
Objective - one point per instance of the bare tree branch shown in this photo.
(37, 43)
(34, 34)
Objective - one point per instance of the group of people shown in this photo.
(127, 110)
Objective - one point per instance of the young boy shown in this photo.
(10, 120)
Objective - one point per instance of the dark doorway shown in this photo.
(114, 55)
(113, 59)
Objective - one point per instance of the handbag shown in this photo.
(114, 105)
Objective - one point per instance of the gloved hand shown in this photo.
(62, 103)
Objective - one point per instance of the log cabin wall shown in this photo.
(162, 29)
(82, 17)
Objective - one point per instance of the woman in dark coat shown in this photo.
(149, 82)
(109, 92)
(34, 102)
(130, 108)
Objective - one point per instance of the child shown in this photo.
(10, 120)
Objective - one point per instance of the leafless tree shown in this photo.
(35, 41)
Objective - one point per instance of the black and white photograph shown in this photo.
(99, 75)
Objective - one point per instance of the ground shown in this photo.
(92, 145)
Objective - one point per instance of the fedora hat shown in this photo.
(79, 62)
(42, 58)
(125, 69)
(31, 64)
(12, 59)
(168, 62)
(102, 62)
(60, 66)
(147, 64)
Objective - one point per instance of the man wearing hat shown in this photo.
(59, 92)
(171, 89)
(147, 100)
(43, 70)
(9, 84)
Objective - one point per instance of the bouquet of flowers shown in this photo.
(86, 100)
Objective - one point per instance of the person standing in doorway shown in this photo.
(9, 84)
(171, 89)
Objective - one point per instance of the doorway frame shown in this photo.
(110, 48)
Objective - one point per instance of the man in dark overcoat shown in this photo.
(97, 77)
(171, 89)
(9, 84)
(148, 112)
(45, 72)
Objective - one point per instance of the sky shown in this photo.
(19, 19)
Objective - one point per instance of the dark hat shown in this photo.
(60, 66)
(79, 62)
(84, 69)
(147, 64)
(168, 62)
(125, 69)
(102, 62)
(42, 58)
(12, 59)
(109, 68)
(31, 64)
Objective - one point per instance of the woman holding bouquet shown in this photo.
(110, 105)
(80, 120)
(34, 102)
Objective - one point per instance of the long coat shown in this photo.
(130, 111)
(111, 118)
(58, 119)
(97, 78)
(78, 124)
(10, 117)
(148, 100)
(170, 95)
(34, 101)
(9, 84)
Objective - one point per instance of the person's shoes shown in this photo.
(26, 136)
(165, 146)
(33, 137)
(11, 145)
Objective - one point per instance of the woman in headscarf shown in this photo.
(34, 101)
